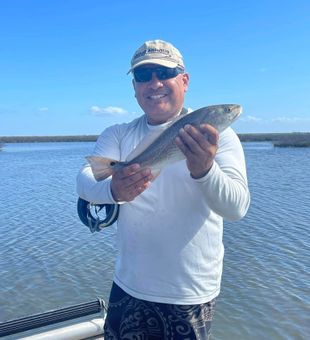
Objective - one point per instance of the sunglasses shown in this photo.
(144, 74)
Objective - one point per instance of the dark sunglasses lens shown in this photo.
(142, 75)
(162, 73)
(166, 73)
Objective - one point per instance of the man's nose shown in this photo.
(155, 82)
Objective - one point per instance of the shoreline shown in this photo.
(290, 139)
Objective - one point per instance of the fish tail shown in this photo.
(101, 167)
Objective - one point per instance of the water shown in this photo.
(48, 259)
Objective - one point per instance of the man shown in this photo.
(169, 231)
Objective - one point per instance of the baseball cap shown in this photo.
(157, 52)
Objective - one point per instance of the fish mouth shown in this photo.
(236, 109)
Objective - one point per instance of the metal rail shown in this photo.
(51, 317)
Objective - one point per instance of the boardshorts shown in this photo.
(132, 318)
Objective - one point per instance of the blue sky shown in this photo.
(63, 63)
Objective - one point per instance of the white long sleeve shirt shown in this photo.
(170, 237)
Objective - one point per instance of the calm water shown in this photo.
(48, 259)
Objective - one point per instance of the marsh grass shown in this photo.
(294, 139)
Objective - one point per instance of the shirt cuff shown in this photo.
(208, 175)
(111, 196)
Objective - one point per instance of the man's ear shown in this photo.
(185, 78)
(134, 86)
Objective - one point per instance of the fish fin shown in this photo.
(101, 167)
(183, 113)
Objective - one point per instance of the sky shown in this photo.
(63, 63)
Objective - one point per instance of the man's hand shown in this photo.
(199, 145)
(129, 182)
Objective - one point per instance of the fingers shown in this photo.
(199, 145)
(129, 182)
(192, 140)
(127, 171)
(202, 135)
(133, 175)
(211, 134)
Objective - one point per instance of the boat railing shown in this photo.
(52, 317)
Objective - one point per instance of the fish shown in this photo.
(157, 151)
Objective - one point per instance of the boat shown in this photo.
(33, 327)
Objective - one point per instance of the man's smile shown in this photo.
(156, 96)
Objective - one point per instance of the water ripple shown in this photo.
(48, 259)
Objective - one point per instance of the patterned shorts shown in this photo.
(129, 318)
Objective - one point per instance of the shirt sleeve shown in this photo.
(225, 187)
(87, 187)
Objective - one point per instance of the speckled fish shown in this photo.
(157, 151)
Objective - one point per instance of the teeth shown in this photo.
(158, 96)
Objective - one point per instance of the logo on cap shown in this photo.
(157, 52)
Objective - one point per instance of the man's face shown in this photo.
(161, 99)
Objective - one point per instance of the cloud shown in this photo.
(250, 119)
(280, 119)
(289, 120)
(109, 110)
(43, 109)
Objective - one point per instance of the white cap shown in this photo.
(157, 52)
